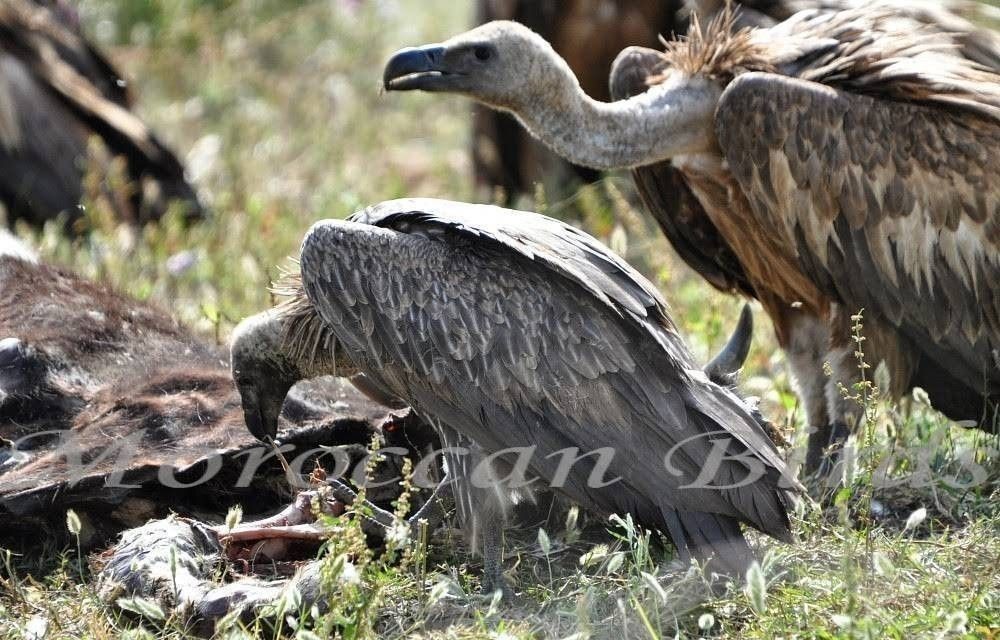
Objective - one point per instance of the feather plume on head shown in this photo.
(305, 336)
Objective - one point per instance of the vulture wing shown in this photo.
(666, 195)
(892, 204)
(520, 331)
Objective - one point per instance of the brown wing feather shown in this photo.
(892, 206)
(669, 199)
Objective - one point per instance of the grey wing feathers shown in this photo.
(499, 338)
(553, 243)
(892, 206)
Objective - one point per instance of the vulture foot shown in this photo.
(493, 579)
(824, 458)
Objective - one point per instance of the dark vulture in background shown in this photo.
(57, 93)
(84, 371)
(507, 329)
(833, 162)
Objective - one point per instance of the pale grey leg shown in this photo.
(481, 509)
(807, 351)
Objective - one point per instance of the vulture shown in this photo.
(590, 35)
(58, 94)
(101, 394)
(541, 358)
(835, 162)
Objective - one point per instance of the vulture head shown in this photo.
(273, 350)
(263, 371)
(500, 63)
(507, 66)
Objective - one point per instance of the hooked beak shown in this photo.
(418, 68)
(260, 415)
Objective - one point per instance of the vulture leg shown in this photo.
(807, 347)
(481, 509)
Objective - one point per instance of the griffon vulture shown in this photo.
(831, 163)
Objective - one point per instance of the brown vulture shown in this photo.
(834, 162)
(589, 35)
(57, 94)
(522, 340)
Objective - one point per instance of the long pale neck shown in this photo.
(666, 121)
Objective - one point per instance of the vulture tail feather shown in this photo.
(714, 539)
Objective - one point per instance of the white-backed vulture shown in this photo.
(833, 162)
(510, 331)
(590, 35)
(57, 92)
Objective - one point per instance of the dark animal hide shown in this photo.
(110, 407)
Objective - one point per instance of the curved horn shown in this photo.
(724, 367)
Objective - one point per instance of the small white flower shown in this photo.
(595, 554)
(349, 575)
(36, 628)
(181, 262)
(544, 542)
(920, 396)
(234, 517)
(756, 588)
(706, 621)
(840, 620)
(398, 534)
(73, 523)
(957, 621)
(915, 519)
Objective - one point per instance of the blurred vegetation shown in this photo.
(275, 104)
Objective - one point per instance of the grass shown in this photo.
(275, 105)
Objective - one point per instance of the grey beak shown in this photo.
(412, 67)
(253, 416)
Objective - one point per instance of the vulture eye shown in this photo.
(482, 53)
